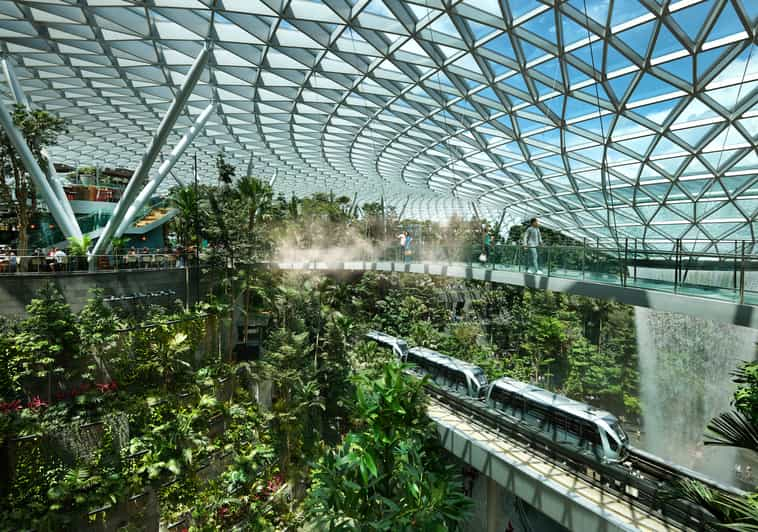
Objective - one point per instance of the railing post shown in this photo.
(734, 281)
(584, 254)
(635, 260)
(742, 274)
(626, 259)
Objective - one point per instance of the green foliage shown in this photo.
(186, 222)
(387, 475)
(78, 247)
(746, 395)
(45, 347)
(226, 171)
(40, 129)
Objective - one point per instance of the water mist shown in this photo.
(685, 380)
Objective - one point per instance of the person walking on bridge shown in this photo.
(402, 236)
(532, 242)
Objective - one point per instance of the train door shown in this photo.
(592, 440)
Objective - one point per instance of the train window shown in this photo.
(591, 434)
(612, 442)
(615, 427)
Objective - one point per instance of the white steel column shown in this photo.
(35, 172)
(55, 183)
(140, 174)
(165, 168)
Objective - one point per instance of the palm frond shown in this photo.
(733, 429)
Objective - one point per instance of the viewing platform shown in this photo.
(720, 287)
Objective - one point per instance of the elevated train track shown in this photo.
(636, 492)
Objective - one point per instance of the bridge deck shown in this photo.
(566, 498)
(708, 303)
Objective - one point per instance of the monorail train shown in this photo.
(398, 345)
(567, 422)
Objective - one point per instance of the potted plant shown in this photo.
(77, 250)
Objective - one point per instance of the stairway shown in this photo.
(153, 216)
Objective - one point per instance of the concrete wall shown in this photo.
(16, 291)
(497, 510)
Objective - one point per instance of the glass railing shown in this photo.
(51, 264)
(725, 276)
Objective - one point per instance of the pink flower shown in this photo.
(36, 402)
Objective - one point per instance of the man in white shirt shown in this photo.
(402, 236)
(532, 241)
(60, 258)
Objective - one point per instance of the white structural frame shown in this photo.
(607, 120)
(137, 180)
(165, 168)
(55, 182)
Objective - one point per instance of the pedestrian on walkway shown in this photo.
(402, 236)
(532, 243)
(408, 251)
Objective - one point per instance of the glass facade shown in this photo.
(607, 119)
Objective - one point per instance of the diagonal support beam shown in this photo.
(165, 168)
(273, 177)
(140, 174)
(55, 183)
(35, 172)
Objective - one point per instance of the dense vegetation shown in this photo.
(111, 414)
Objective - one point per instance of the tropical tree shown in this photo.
(41, 130)
(185, 200)
(226, 171)
(389, 473)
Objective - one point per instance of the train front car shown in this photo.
(566, 422)
(456, 375)
(398, 345)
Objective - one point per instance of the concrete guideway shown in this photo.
(708, 308)
(565, 498)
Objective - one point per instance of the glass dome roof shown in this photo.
(621, 119)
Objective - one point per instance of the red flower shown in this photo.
(13, 406)
(36, 402)
(108, 386)
(222, 512)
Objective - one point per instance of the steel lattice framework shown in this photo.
(607, 118)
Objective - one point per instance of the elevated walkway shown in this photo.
(564, 497)
(709, 302)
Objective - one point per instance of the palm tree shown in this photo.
(257, 198)
(185, 200)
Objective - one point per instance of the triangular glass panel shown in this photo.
(501, 45)
(572, 31)
(704, 60)
(626, 11)
(650, 86)
(692, 18)
(598, 9)
(657, 113)
(638, 37)
(727, 24)
(681, 68)
(665, 43)
(693, 135)
(621, 84)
